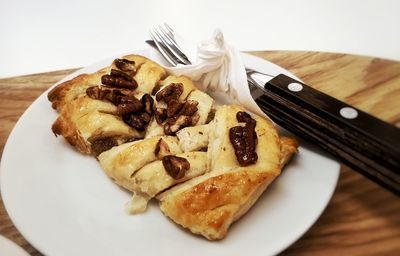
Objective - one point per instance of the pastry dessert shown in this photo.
(158, 136)
(208, 204)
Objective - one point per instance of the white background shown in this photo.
(46, 35)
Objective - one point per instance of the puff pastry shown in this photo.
(152, 178)
(193, 138)
(210, 203)
(158, 136)
(92, 126)
(76, 87)
(120, 163)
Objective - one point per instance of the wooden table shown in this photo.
(361, 219)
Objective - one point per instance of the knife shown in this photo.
(359, 140)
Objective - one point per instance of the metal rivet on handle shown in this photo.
(295, 87)
(349, 113)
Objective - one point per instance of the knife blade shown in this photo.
(357, 139)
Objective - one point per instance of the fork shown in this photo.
(363, 142)
(163, 39)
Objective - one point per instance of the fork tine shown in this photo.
(167, 46)
(165, 38)
(170, 37)
(169, 34)
(162, 49)
(168, 31)
(168, 28)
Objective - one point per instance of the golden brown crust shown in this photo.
(121, 162)
(210, 203)
(288, 149)
(205, 103)
(80, 123)
(148, 76)
(85, 118)
(152, 178)
(193, 138)
(188, 85)
(63, 127)
(216, 191)
(72, 89)
(76, 87)
(209, 207)
(220, 149)
(189, 93)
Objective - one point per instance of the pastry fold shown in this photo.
(153, 178)
(122, 162)
(76, 87)
(210, 203)
(206, 189)
(92, 126)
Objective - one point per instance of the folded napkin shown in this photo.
(217, 68)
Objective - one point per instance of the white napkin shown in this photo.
(218, 69)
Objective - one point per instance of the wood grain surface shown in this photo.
(361, 219)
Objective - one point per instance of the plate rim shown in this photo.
(38, 245)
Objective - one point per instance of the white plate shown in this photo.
(9, 248)
(63, 203)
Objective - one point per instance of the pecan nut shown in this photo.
(189, 108)
(118, 82)
(124, 101)
(160, 115)
(138, 113)
(171, 91)
(126, 66)
(174, 106)
(176, 123)
(115, 97)
(176, 166)
(145, 117)
(97, 92)
(128, 105)
(180, 115)
(148, 104)
(242, 116)
(134, 121)
(244, 139)
(118, 73)
(117, 94)
(162, 149)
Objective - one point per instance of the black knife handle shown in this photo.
(359, 140)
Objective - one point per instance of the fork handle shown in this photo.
(359, 140)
